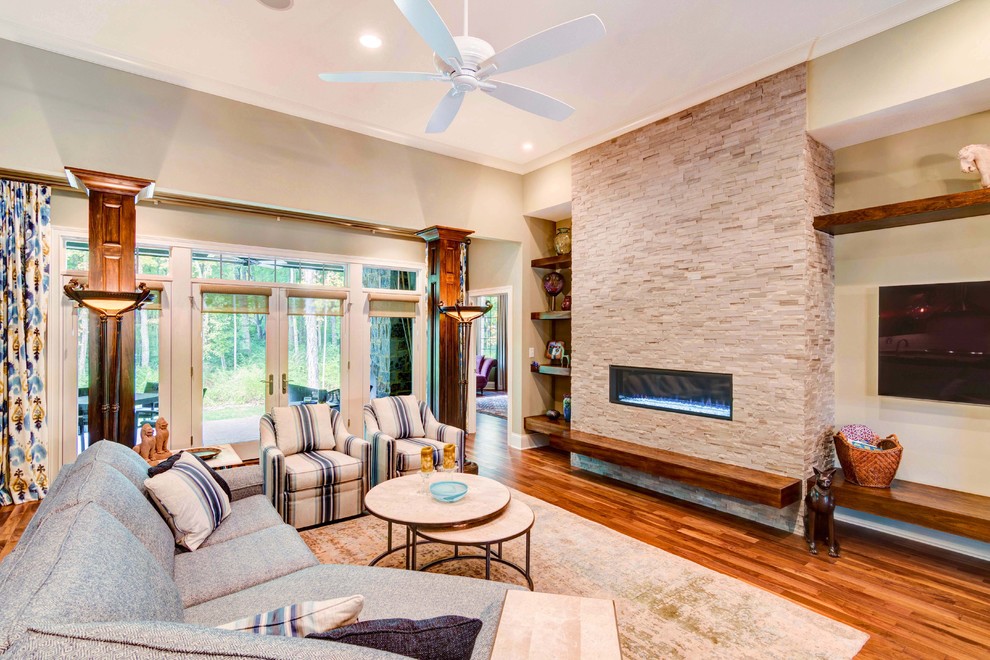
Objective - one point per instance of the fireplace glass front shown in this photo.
(687, 392)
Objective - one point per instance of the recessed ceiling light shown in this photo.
(370, 41)
(280, 5)
(527, 146)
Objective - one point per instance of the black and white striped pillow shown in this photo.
(190, 500)
(398, 416)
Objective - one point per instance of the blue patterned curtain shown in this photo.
(24, 282)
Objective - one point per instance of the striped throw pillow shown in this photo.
(302, 619)
(190, 501)
(398, 416)
(303, 428)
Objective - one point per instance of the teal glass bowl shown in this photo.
(448, 491)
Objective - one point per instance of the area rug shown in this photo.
(496, 405)
(668, 607)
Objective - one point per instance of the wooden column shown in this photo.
(111, 268)
(443, 245)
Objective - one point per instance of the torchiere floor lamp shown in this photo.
(109, 304)
(465, 315)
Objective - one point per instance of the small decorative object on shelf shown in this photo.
(553, 284)
(562, 241)
(866, 458)
(566, 305)
(972, 158)
(555, 351)
(147, 445)
(565, 361)
(161, 440)
(534, 365)
(567, 408)
(426, 466)
(819, 514)
(553, 415)
(449, 457)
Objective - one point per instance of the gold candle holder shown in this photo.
(449, 457)
(426, 467)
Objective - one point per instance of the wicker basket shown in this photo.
(874, 469)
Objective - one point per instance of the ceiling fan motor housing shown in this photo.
(474, 51)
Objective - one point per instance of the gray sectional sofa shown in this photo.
(96, 574)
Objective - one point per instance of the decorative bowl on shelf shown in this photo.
(206, 453)
(448, 491)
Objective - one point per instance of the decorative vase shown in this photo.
(567, 408)
(566, 305)
(562, 241)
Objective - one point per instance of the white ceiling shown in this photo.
(659, 57)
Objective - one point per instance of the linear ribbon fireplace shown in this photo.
(688, 392)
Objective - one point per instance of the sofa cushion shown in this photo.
(98, 482)
(440, 638)
(157, 640)
(190, 500)
(408, 454)
(51, 497)
(314, 469)
(240, 563)
(302, 619)
(388, 593)
(170, 462)
(302, 428)
(83, 565)
(123, 459)
(398, 416)
(244, 481)
(252, 514)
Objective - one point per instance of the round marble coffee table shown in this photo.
(517, 520)
(405, 501)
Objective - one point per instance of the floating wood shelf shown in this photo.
(551, 316)
(740, 482)
(550, 370)
(553, 263)
(950, 511)
(914, 212)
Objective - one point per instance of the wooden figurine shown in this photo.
(147, 445)
(161, 440)
(819, 515)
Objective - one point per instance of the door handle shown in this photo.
(271, 384)
(285, 383)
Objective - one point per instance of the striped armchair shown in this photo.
(417, 427)
(314, 470)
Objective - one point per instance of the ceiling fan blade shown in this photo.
(530, 101)
(379, 76)
(427, 22)
(546, 45)
(445, 112)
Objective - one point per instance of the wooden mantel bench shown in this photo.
(743, 483)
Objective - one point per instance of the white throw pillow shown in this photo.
(303, 428)
(398, 416)
(190, 500)
(302, 619)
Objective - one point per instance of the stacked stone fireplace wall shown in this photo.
(693, 249)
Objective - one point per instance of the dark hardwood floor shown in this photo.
(914, 601)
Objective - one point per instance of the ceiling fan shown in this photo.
(467, 63)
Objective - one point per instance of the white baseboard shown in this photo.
(527, 440)
(930, 537)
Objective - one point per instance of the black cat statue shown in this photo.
(819, 518)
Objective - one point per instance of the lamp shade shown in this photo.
(107, 303)
(464, 313)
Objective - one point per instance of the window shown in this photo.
(392, 343)
(245, 268)
(388, 278)
(149, 260)
(314, 348)
(488, 328)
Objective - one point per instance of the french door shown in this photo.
(259, 347)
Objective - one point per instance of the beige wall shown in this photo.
(942, 51)
(547, 191)
(946, 444)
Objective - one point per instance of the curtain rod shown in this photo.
(196, 201)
